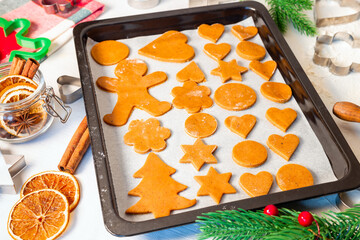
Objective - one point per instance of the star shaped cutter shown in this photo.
(328, 61)
(42, 44)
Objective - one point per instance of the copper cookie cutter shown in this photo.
(328, 61)
(323, 22)
(57, 6)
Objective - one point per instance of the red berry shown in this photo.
(271, 210)
(305, 219)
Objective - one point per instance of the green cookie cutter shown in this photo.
(42, 44)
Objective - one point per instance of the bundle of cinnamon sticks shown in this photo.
(26, 68)
(76, 149)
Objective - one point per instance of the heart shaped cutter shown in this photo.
(323, 22)
(328, 62)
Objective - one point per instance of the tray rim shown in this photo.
(121, 227)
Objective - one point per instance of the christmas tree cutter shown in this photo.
(343, 162)
(40, 44)
(10, 166)
(329, 61)
(323, 22)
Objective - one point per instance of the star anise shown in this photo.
(25, 124)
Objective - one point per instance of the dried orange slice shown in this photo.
(40, 215)
(13, 79)
(64, 182)
(16, 92)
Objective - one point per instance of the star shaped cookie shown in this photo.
(214, 184)
(229, 70)
(198, 154)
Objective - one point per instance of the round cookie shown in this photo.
(235, 96)
(276, 92)
(109, 52)
(292, 176)
(200, 125)
(250, 51)
(249, 154)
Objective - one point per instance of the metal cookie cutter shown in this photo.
(328, 62)
(72, 81)
(55, 6)
(323, 22)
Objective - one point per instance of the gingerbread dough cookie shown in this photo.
(198, 154)
(217, 51)
(109, 52)
(170, 47)
(265, 70)
(214, 184)
(200, 125)
(281, 119)
(157, 190)
(250, 51)
(256, 185)
(276, 92)
(235, 96)
(191, 72)
(283, 146)
(132, 90)
(211, 32)
(191, 97)
(244, 33)
(242, 126)
(146, 135)
(249, 154)
(229, 70)
(292, 176)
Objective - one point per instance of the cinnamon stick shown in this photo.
(76, 148)
(13, 65)
(30, 68)
(17, 66)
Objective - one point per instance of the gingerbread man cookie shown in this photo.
(229, 70)
(132, 90)
(170, 47)
(146, 135)
(215, 185)
(191, 97)
(211, 32)
(256, 185)
(109, 52)
(191, 72)
(198, 154)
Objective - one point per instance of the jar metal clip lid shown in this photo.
(48, 96)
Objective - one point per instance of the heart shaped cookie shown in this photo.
(283, 146)
(191, 72)
(265, 70)
(170, 47)
(276, 92)
(244, 33)
(217, 51)
(281, 119)
(256, 185)
(242, 126)
(250, 51)
(212, 33)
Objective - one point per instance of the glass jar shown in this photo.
(26, 119)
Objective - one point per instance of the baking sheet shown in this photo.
(124, 162)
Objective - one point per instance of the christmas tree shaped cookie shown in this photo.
(157, 190)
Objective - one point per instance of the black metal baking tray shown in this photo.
(342, 159)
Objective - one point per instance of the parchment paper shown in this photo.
(124, 161)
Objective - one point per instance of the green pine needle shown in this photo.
(241, 224)
(284, 11)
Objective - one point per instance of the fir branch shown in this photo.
(283, 11)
